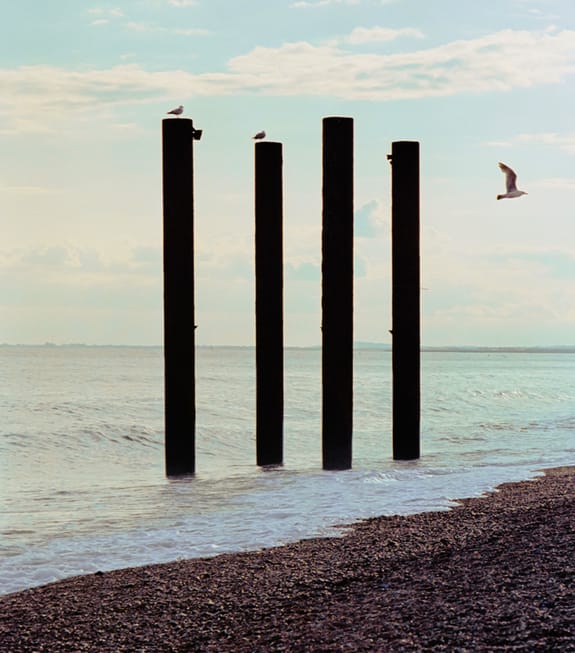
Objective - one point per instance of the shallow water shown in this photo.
(81, 451)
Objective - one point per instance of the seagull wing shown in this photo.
(510, 177)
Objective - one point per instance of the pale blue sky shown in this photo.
(85, 86)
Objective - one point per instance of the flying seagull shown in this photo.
(510, 179)
(177, 111)
(260, 136)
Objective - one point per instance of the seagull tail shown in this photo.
(500, 197)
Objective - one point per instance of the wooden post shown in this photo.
(337, 293)
(179, 322)
(405, 299)
(269, 302)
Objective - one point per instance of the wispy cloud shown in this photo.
(114, 12)
(556, 183)
(540, 12)
(104, 15)
(565, 142)
(153, 28)
(306, 4)
(549, 262)
(136, 26)
(88, 263)
(542, 15)
(361, 35)
(494, 287)
(28, 190)
(367, 222)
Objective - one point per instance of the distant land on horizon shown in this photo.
(358, 345)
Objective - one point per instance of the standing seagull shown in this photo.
(177, 111)
(510, 179)
(259, 136)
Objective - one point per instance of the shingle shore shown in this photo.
(495, 573)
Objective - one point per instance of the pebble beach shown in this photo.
(494, 573)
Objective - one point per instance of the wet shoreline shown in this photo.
(493, 573)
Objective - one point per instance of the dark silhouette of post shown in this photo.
(269, 303)
(179, 340)
(405, 299)
(337, 293)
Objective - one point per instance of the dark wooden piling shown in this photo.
(179, 320)
(269, 302)
(405, 299)
(337, 293)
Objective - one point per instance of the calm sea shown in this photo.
(82, 485)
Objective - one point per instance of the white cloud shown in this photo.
(35, 98)
(495, 62)
(183, 3)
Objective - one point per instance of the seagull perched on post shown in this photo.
(260, 136)
(510, 179)
(177, 111)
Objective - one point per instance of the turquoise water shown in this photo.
(82, 483)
